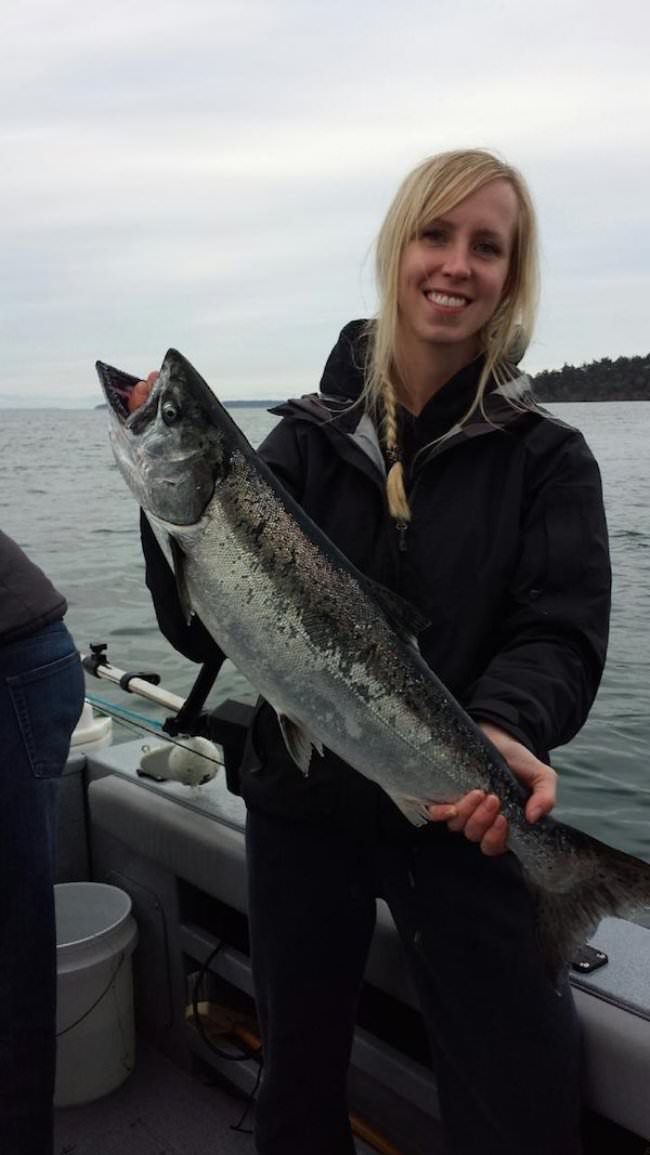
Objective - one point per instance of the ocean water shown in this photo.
(63, 499)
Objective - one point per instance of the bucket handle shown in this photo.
(97, 1000)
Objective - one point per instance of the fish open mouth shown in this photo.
(117, 387)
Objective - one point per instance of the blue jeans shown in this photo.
(41, 697)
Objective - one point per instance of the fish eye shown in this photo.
(170, 413)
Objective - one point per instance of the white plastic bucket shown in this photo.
(96, 937)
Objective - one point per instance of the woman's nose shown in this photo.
(456, 263)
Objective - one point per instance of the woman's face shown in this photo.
(452, 278)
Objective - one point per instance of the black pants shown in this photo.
(505, 1043)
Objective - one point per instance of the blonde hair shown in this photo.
(433, 188)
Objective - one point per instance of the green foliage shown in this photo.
(626, 379)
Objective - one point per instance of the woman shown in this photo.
(427, 462)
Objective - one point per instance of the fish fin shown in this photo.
(607, 882)
(299, 742)
(412, 808)
(178, 559)
(406, 620)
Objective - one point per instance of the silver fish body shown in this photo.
(330, 653)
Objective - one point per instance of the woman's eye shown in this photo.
(170, 413)
(488, 248)
(435, 235)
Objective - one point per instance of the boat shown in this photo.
(177, 851)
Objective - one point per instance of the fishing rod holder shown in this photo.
(97, 657)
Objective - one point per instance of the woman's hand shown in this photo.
(477, 814)
(141, 391)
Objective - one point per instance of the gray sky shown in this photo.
(211, 174)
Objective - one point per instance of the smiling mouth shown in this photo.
(447, 300)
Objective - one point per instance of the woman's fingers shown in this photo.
(141, 391)
(495, 839)
(457, 812)
(477, 816)
(481, 819)
(473, 813)
(543, 784)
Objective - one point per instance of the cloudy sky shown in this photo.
(211, 174)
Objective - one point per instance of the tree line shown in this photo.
(626, 379)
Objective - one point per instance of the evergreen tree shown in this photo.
(626, 379)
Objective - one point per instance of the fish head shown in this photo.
(173, 449)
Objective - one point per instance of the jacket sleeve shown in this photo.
(552, 644)
(193, 640)
(282, 453)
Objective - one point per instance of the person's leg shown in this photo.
(312, 913)
(41, 696)
(506, 1044)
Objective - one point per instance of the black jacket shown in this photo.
(28, 600)
(506, 556)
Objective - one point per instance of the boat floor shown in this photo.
(159, 1110)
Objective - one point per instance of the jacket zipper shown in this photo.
(401, 527)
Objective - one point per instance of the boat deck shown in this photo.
(159, 1110)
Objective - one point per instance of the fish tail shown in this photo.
(592, 882)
